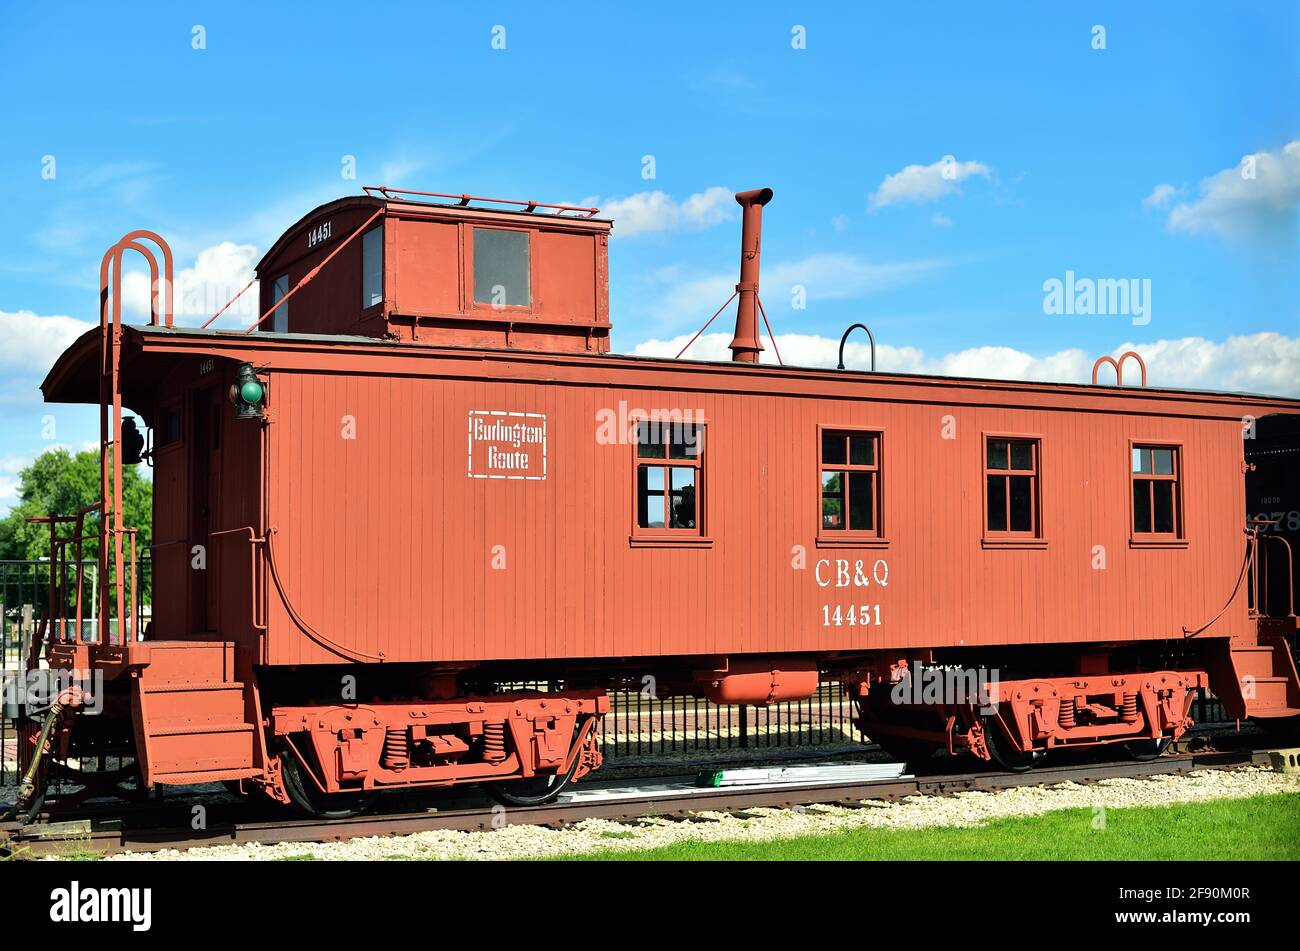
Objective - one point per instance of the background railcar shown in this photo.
(370, 515)
(1273, 503)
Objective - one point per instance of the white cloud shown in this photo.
(216, 276)
(823, 277)
(1160, 196)
(1260, 192)
(10, 466)
(918, 184)
(32, 342)
(1253, 363)
(840, 223)
(645, 212)
(940, 220)
(1264, 362)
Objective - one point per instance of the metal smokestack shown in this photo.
(746, 347)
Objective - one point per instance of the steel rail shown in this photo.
(41, 840)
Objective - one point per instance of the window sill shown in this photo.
(1013, 542)
(504, 312)
(1157, 543)
(669, 541)
(831, 541)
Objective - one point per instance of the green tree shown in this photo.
(59, 483)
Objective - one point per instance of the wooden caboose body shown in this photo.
(449, 484)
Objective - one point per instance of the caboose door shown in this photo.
(205, 425)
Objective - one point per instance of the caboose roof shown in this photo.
(148, 351)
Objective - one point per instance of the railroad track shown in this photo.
(670, 797)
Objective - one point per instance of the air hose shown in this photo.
(27, 788)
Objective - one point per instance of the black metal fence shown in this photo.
(639, 725)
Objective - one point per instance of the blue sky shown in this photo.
(1057, 152)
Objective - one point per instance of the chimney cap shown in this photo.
(757, 196)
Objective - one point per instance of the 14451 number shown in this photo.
(320, 233)
(852, 616)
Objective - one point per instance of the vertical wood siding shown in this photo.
(385, 544)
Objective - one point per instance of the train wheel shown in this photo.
(535, 791)
(1004, 752)
(310, 801)
(1146, 749)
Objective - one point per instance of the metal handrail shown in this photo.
(1119, 366)
(118, 543)
(870, 336)
(256, 580)
(113, 532)
(57, 615)
(388, 191)
(1262, 598)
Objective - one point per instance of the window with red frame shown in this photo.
(1011, 487)
(1156, 508)
(668, 476)
(850, 483)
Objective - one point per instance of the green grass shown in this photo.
(1263, 827)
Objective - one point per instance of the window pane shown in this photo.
(280, 319)
(997, 495)
(649, 440)
(862, 449)
(1162, 460)
(169, 429)
(1141, 505)
(1022, 504)
(682, 505)
(1022, 455)
(833, 500)
(861, 501)
(1141, 460)
(684, 440)
(1163, 516)
(372, 267)
(501, 268)
(650, 497)
(833, 446)
(997, 454)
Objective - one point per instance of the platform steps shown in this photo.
(191, 724)
(1269, 672)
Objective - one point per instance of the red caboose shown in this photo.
(422, 476)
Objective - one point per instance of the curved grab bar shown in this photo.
(870, 336)
(1119, 366)
(164, 290)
